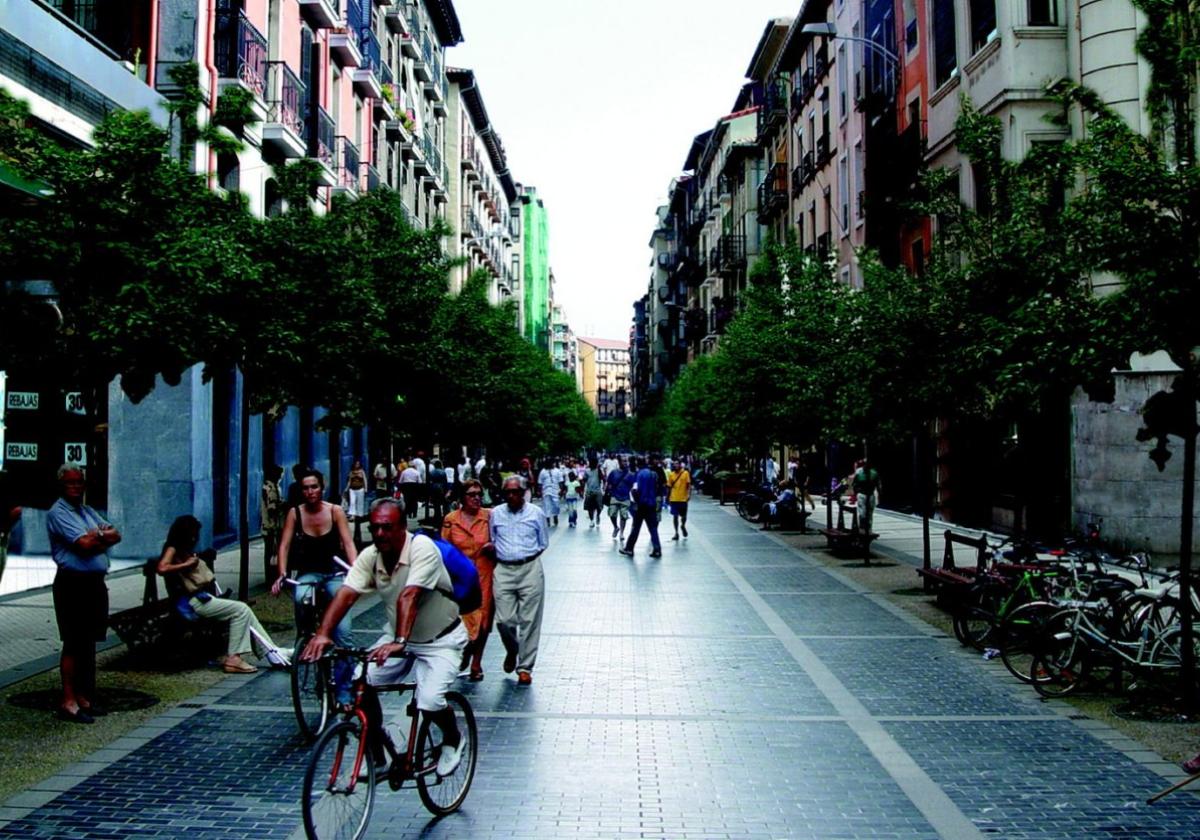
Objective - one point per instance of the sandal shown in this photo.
(476, 676)
(241, 666)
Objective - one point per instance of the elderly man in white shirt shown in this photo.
(520, 535)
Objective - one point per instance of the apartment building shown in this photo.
(356, 85)
(564, 352)
(604, 376)
(483, 191)
(534, 267)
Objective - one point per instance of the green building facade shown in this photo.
(535, 237)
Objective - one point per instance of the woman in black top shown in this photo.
(315, 533)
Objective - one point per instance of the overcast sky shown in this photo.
(597, 104)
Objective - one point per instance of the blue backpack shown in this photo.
(464, 577)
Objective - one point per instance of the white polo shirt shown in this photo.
(420, 564)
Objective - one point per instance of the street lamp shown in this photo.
(829, 30)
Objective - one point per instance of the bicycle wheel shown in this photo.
(311, 698)
(1166, 652)
(1060, 659)
(974, 620)
(749, 507)
(444, 794)
(339, 784)
(1016, 636)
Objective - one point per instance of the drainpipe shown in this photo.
(152, 58)
(211, 5)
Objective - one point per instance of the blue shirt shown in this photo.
(65, 524)
(647, 486)
(619, 484)
(518, 535)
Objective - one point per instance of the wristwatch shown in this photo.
(401, 640)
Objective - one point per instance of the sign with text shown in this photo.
(17, 451)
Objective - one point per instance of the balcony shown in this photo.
(240, 52)
(772, 193)
(408, 40)
(348, 170)
(366, 76)
(343, 47)
(371, 177)
(321, 14)
(321, 143)
(824, 247)
(773, 112)
(395, 17)
(284, 126)
(433, 157)
(824, 153)
(821, 65)
(732, 249)
(423, 65)
(385, 103)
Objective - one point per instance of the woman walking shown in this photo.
(593, 488)
(469, 529)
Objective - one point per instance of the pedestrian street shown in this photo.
(733, 689)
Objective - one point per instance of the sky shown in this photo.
(597, 104)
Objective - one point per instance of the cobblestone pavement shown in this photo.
(733, 689)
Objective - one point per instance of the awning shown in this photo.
(12, 179)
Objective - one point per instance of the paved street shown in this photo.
(734, 688)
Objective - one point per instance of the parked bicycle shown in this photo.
(340, 781)
(1096, 636)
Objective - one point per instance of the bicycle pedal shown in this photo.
(395, 778)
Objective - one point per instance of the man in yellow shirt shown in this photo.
(679, 490)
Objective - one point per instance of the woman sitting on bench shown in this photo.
(192, 589)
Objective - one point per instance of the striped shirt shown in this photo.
(520, 534)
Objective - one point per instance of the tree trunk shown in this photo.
(1187, 671)
(244, 490)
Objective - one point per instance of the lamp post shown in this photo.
(829, 30)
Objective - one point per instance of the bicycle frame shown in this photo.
(1082, 625)
(403, 765)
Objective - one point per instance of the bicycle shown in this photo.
(340, 780)
(1073, 641)
(313, 690)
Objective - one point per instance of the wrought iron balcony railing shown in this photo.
(240, 51)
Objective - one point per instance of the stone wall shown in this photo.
(1113, 477)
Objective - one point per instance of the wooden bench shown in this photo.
(848, 541)
(157, 622)
(790, 520)
(950, 580)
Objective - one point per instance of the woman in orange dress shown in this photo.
(469, 530)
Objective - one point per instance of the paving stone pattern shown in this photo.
(733, 689)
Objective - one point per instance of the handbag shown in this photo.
(198, 578)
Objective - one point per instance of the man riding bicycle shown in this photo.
(427, 636)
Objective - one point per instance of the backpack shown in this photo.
(464, 577)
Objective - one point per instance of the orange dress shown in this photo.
(470, 541)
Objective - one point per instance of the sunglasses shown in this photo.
(472, 493)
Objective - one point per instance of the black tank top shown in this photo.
(314, 555)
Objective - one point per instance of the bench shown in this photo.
(156, 622)
(950, 581)
(848, 541)
(792, 519)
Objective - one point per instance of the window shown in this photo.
(844, 193)
(910, 25)
(843, 110)
(983, 190)
(860, 181)
(983, 23)
(945, 54)
(1043, 12)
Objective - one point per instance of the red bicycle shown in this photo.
(339, 783)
